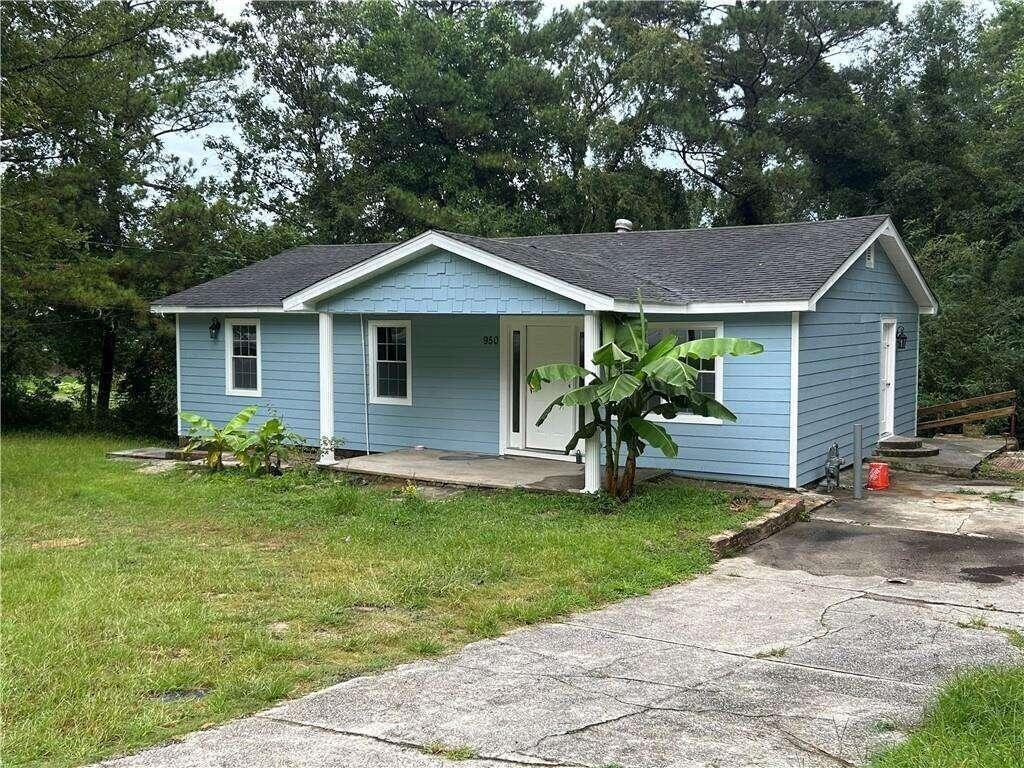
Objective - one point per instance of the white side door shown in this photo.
(547, 344)
(887, 404)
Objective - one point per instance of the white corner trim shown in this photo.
(794, 395)
(917, 370)
(229, 388)
(326, 344)
(904, 266)
(177, 370)
(371, 340)
(428, 241)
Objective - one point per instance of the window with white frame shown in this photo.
(243, 350)
(390, 362)
(709, 372)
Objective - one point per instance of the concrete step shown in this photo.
(899, 442)
(907, 453)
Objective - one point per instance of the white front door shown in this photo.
(888, 378)
(545, 344)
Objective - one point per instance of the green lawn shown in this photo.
(977, 722)
(141, 606)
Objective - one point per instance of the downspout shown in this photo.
(366, 386)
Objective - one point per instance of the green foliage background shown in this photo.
(342, 122)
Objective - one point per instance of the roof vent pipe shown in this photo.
(623, 225)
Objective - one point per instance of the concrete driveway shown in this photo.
(819, 646)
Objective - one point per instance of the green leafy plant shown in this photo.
(260, 450)
(216, 441)
(265, 449)
(636, 380)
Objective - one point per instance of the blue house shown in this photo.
(428, 342)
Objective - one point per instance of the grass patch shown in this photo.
(1015, 638)
(123, 590)
(451, 753)
(992, 472)
(773, 653)
(978, 721)
(1002, 498)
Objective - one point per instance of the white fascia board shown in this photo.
(428, 241)
(930, 305)
(904, 266)
(713, 307)
(167, 309)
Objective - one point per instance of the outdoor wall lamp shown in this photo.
(901, 338)
(214, 328)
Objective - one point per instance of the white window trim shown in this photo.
(229, 377)
(692, 418)
(371, 339)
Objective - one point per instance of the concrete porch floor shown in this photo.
(426, 465)
(958, 456)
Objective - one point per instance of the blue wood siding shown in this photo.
(754, 449)
(840, 355)
(454, 386)
(290, 369)
(455, 390)
(443, 283)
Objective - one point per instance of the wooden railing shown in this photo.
(966, 418)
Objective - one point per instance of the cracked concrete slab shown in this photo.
(815, 648)
(768, 713)
(261, 741)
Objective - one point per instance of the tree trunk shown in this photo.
(87, 394)
(628, 477)
(106, 381)
(611, 459)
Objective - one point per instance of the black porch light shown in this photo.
(901, 338)
(214, 328)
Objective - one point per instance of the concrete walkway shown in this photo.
(819, 646)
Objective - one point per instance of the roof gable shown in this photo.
(441, 282)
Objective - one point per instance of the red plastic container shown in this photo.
(878, 476)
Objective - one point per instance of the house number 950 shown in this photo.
(490, 339)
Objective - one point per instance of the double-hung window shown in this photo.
(390, 362)
(709, 372)
(243, 349)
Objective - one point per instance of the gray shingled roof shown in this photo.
(266, 283)
(774, 262)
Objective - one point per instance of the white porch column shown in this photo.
(592, 446)
(326, 388)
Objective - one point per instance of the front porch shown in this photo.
(476, 470)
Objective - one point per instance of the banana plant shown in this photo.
(216, 441)
(264, 449)
(636, 380)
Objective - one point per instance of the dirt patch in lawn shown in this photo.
(59, 543)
